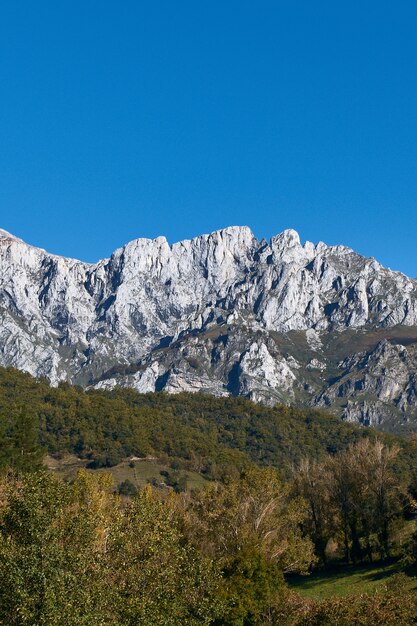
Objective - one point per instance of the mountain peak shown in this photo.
(4, 234)
(234, 231)
(288, 238)
(234, 234)
(213, 313)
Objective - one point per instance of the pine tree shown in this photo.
(23, 443)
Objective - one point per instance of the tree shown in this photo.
(161, 579)
(127, 488)
(76, 555)
(311, 482)
(353, 494)
(251, 527)
(367, 495)
(21, 449)
(49, 555)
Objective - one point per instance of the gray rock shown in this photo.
(222, 313)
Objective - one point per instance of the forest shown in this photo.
(285, 493)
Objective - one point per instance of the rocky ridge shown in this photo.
(224, 313)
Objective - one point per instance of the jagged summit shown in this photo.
(6, 235)
(287, 238)
(222, 312)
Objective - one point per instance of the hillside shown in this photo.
(213, 436)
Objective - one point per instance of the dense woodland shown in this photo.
(286, 492)
(215, 436)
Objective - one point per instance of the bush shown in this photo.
(393, 606)
(127, 488)
(176, 480)
(108, 459)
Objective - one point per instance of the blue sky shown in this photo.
(128, 119)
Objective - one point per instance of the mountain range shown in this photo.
(223, 313)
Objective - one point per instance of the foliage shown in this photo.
(353, 495)
(73, 555)
(174, 479)
(127, 488)
(19, 439)
(78, 554)
(218, 437)
(251, 528)
(50, 552)
(161, 579)
(392, 606)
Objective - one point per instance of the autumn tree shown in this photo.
(251, 527)
(311, 482)
(353, 495)
(160, 578)
(75, 554)
(49, 557)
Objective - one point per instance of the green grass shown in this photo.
(345, 580)
(143, 471)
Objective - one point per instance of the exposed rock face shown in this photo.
(223, 313)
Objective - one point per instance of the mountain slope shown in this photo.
(203, 433)
(223, 313)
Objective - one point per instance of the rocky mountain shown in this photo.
(224, 313)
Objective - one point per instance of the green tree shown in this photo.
(251, 527)
(161, 579)
(367, 496)
(21, 449)
(49, 560)
(127, 488)
(76, 555)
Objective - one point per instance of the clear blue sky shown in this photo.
(128, 119)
